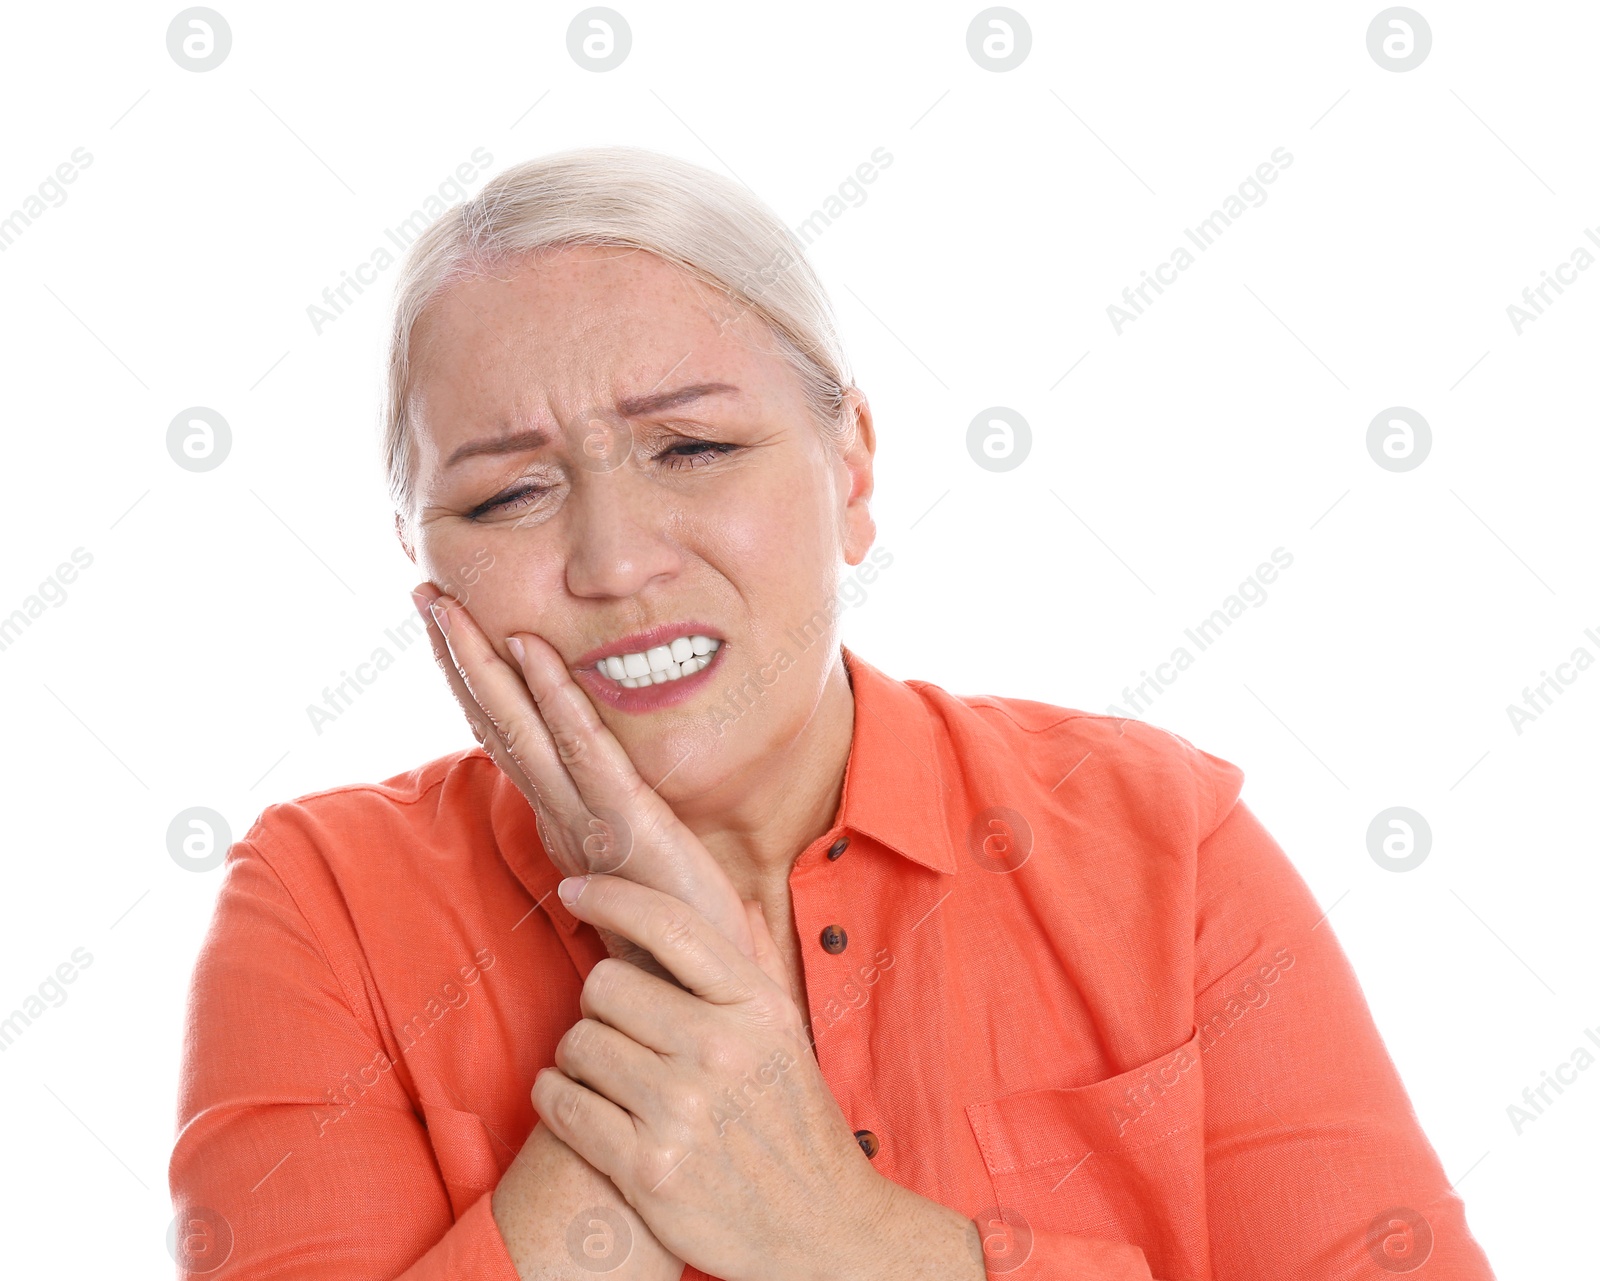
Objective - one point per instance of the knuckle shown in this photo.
(603, 977)
(656, 1164)
(572, 746)
(569, 1111)
(689, 1106)
(721, 1054)
(574, 1039)
(674, 926)
(512, 736)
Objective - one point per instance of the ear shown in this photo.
(859, 530)
(405, 543)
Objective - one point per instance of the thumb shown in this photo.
(766, 947)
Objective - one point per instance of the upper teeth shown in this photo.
(682, 657)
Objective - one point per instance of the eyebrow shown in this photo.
(628, 407)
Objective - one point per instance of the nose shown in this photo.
(620, 531)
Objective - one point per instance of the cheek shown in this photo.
(780, 534)
(498, 576)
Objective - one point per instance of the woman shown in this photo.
(864, 979)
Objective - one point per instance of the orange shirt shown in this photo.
(1084, 998)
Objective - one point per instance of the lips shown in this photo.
(640, 642)
(647, 695)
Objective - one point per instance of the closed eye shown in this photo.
(705, 453)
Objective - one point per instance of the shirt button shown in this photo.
(838, 847)
(868, 1141)
(834, 939)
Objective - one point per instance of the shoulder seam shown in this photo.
(1067, 714)
(378, 788)
(322, 948)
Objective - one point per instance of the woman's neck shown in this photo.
(757, 824)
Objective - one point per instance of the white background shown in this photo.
(1228, 420)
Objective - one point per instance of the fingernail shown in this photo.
(441, 615)
(515, 646)
(421, 602)
(571, 888)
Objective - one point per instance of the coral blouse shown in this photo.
(1084, 998)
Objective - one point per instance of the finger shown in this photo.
(695, 953)
(485, 734)
(590, 1124)
(498, 693)
(584, 777)
(488, 738)
(608, 781)
(651, 1009)
(766, 947)
(611, 1064)
(596, 761)
(423, 597)
(607, 778)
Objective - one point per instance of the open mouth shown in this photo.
(680, 657)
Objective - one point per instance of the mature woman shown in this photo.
(726, 954)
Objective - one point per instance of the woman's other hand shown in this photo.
(594, 811)
(709, 1112)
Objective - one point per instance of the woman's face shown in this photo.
(566, 488)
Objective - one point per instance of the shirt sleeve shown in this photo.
(1316, 1165)
(299, 1154)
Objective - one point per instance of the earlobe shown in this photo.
(400, 533)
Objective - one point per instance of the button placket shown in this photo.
(834, 940)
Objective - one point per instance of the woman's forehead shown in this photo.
(600, 329)
(584, 292)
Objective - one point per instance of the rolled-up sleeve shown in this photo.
(299, 1154)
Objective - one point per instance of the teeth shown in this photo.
(684, 656)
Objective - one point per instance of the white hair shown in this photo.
(709, 226)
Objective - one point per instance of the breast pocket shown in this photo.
(1121, 1159)
(466, 1154)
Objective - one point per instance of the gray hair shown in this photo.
(711, 227)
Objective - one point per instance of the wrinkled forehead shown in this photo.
(550, 337)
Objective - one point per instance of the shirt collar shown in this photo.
(894, 786)
(894, 789)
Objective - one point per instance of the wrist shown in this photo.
(545, 1189)
(908, 1237)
